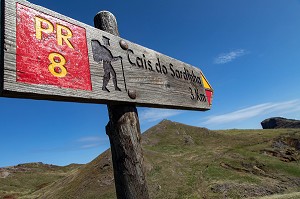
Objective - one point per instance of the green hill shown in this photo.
(24, 179)
(189, 162)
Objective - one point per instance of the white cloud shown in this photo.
(90, 139)
(91, 142)
(254, 111)
(228, 57)
(152, 115)
(79, 144)
(88, 146)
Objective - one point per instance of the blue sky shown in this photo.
(249, 51)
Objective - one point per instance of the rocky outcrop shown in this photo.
(4, 173)
(285, 147)
(279, 122)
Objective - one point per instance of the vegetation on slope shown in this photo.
(189, 162)
(24, 179)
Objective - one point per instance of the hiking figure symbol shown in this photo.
(102, 53)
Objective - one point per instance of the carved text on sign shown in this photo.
(156, 66)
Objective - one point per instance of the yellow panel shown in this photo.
(205, 82)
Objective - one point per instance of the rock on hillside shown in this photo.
(279, 122)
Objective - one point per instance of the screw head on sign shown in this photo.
(57, 69)
(132, 94)
(123, 45)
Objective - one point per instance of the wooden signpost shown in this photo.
(50, 56)
(124, 134)
(45, 55)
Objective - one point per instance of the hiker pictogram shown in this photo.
(102, 54)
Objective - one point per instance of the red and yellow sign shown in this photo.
(51, 51)
(208, 89)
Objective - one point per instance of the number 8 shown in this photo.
(57, 68)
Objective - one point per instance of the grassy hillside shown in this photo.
(190, 162)
(25, 179)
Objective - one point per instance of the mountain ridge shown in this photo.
(183, 161)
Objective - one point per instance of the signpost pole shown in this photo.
(124, 133)
(1, 45)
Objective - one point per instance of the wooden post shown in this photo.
(1, 45)
(124, 133)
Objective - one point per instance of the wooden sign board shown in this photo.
(46, 55)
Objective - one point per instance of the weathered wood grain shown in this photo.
(127, 153)
(136, 74)
(1, 44)
(124, 134)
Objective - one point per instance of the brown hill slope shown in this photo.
(190, 162)
(94, 178)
